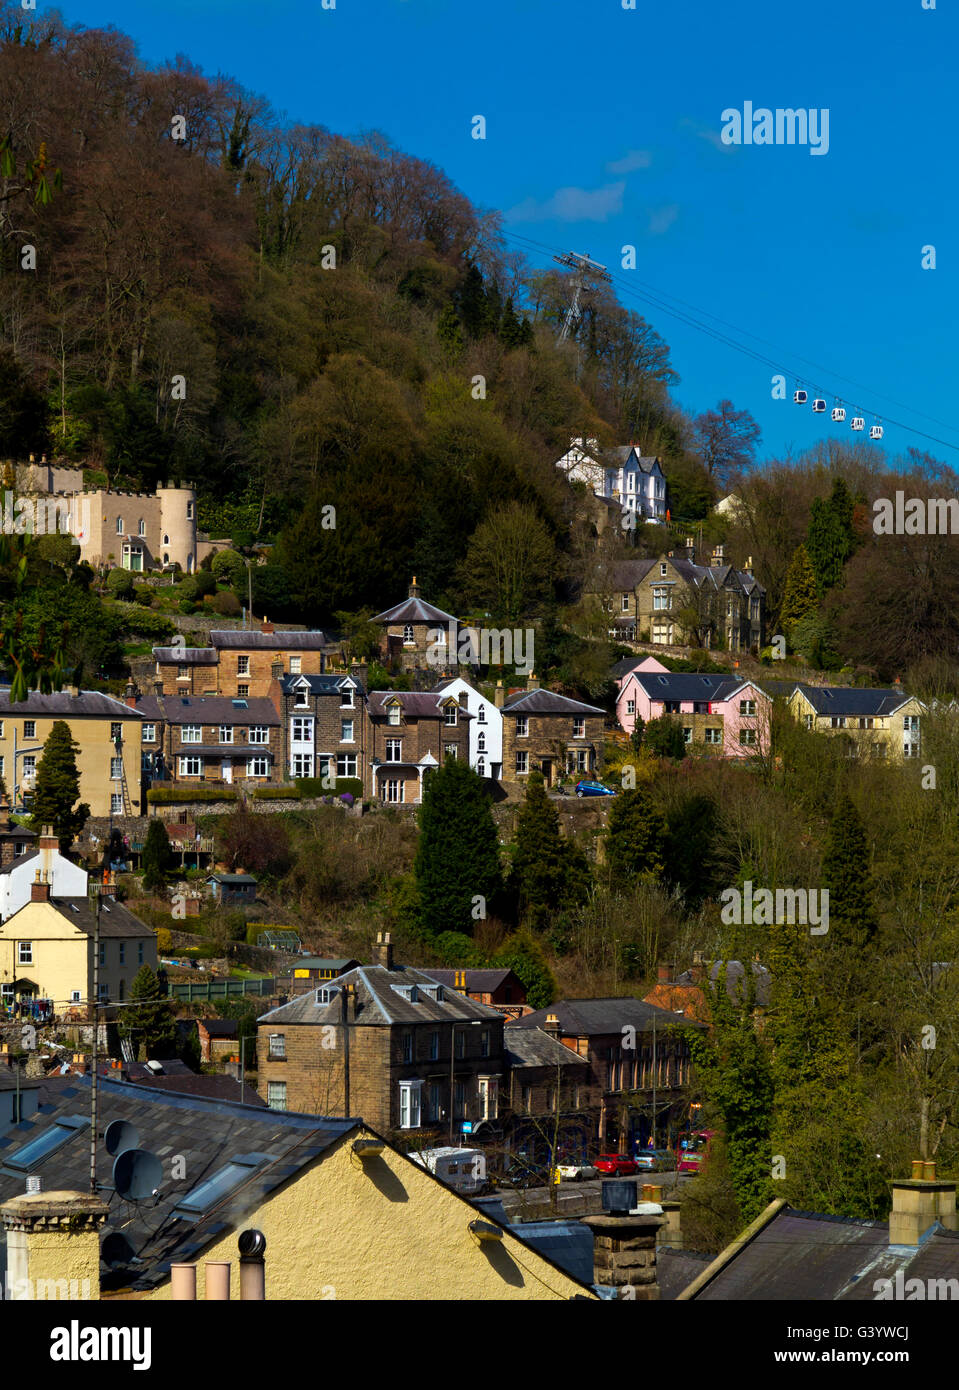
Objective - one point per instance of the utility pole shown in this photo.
(584, 271)
(96, 1030)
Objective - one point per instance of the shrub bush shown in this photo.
(145, 623)
(228, 567)
(120, 584)
(164, 941)
(226, 604)
(143, 594)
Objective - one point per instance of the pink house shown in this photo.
(724, 715)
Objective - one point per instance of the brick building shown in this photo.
(325, 730)
(501, 989)
(634, 1050)
(410, 734)
(414, 633)
(209, 740)
(387, 1042)
(241, 663)
(550, 733)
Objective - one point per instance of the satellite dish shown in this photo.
(120, 1135)
(115, 1250)
(137, 1174)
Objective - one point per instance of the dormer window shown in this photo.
(450, 714)
(346, 697)
(326, 994)
(302, 700)
(393, 714)
(408, 992)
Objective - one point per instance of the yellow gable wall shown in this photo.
(63, 955)
(93, 760)
(381, 1228)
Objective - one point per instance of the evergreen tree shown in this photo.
(664, 737)
(526, 338)
(636, 836)
(547, 872)
(831, 539)
(473, 305)
(801, 594)
(57, 789)
(853, 919)
(510, 329)
(156, 855)
(148, 1019)
(689, 853)
(449, 332)
(636, 737)
(523, 954)
(457, 858)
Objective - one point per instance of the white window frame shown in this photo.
(29, 728)
(449, 716)
(579, 726)
(346, 731)
(411, 1104)
(149, 733)
(522, 763)
(296, 666)
(191, 733)
(277, 1047)
(24, 952)
(257, 767)
(187, 770)
(301, 729)
(301, 765)
(346, 765)
(747, 707)
(259, 733)
(522, 726)
(275, 1092)
(226, 733)
(394, 715)
(394, 750)
(116, 803)
(116, 769)
(395, 791)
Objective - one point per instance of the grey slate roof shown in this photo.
(586, 1017)
(852, 700)
(688, 686)
(20, 859)
(208, 709)
(416, 704)
(734, 979)
(619, 455)
(231, 878)
(546, 702)
(207, 1133)
(809, 1256)
(414, 610)
(220, 1087)
(220, 1027)
(115, 919)
(532, 1047)
(62, 704)
(320, 685)
(243, 639)
(322, 963)
(186, 656)
(379, 1005)
(676, 1269)
(568, 1244)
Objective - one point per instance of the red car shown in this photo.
(616, 1165)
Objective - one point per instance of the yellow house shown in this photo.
(345, 1216)
(884, 724)
(108, 733)
(47, 948)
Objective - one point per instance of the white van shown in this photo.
(462, 1169)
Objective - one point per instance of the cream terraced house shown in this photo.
(107, 731)
(883, 724)
(47, 952)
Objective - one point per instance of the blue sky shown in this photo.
(603, 129)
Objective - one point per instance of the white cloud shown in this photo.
(572, 205)
(662, 218)
(707, 133)
(630, 162)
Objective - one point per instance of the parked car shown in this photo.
(520, 1173)
(593, 789)
(656, 1160)
(576, 1172)
(616, 1165)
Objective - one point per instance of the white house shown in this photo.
(486, 727)
(66, 879)
(622, 475)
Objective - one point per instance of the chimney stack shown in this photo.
(697, 969)
(131, 694)
(414, 589)
(532, 681)
(499, 695)
(54, 1232)
(718, 560)
(551, 1026)
(624, 1254)
(663, 972)
(40, 889)
(383, 951)
(459, 981)
(266, 625)
(919, 1202)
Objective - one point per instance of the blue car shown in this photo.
(593, 789)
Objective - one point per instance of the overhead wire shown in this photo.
(687, 315)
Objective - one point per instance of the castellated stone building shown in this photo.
(136, 531)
